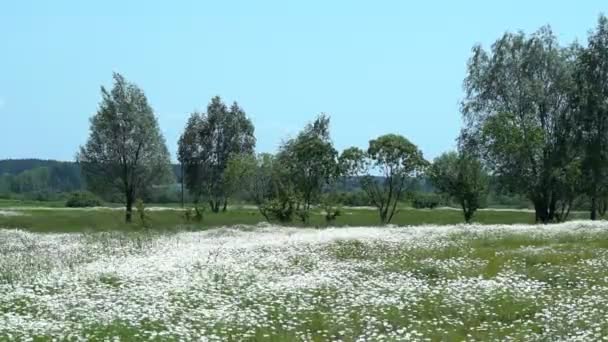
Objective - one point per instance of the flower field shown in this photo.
(270, 283)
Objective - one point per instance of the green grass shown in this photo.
(13, 203)
(61, 220)
(479, 283)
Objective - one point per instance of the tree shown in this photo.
(125, 150)
(239, 173)
(518, 115)
(461, 177)
(207, 144)
(269, 186)
(259, 187)
(590, 99)
(311, 163)
(395, 159)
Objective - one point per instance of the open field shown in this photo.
(164, 218)
(270, 283)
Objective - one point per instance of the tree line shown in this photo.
(536, 122)
(38, 177)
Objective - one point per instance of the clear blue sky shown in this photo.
(375, 66)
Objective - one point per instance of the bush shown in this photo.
(281, 210)
(425, 200)
(353, 199)
(141, 213)
(194, 214)
(82, 199)
(331, 207)
(495, 199)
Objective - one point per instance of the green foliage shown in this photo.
(591, 115)
(26, 176)
(395, 159)
(461, 177)
(239, 174)
(331, 208)
(82, 199)
(517, 117)
(125, 151)
(310, 162)
(281, 209)
(425, 200)
(208, 143)
(357, 198)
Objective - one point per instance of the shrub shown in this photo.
(425, 201)
(353, 199)
(82, 199)
(281, 210)
(331, 207)
(194, 214)
(141, 213)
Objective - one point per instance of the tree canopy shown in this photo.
(591, 116)
(125, 150)
(207, 144)
(395, 159)
(518, 115)
(310, 161)
(462, 177)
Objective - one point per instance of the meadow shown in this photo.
(273, 283)
(41, 217)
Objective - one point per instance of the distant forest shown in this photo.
(41, 179)
(45, 180)
(52, 180)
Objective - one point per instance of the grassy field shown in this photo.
(77, 220)
(270, 283)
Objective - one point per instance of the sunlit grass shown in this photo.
(78, 220)
(265, 283)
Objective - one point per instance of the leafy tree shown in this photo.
(269, 186)
(590, 99)
(461, 177)
(82, 199)
(33, 180)
(394, 158)
(311, 163)
(207, 144)
(125, 151)
(6, 183)
(518, 117)
(259, 187)
(32, 175)
(239, 173)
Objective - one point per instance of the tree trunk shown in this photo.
(225, 205)
(552, 209)
(541, 211)
(601, 207)
(385, 214)
(593, 214)
(182, 182)
(215, 205)
(468, 214)
(382, 215)
(129, 211)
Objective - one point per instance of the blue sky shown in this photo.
(375, 66)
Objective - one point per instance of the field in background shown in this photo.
(75, 220)
(269, 283)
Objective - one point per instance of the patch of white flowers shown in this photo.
(267, 281)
